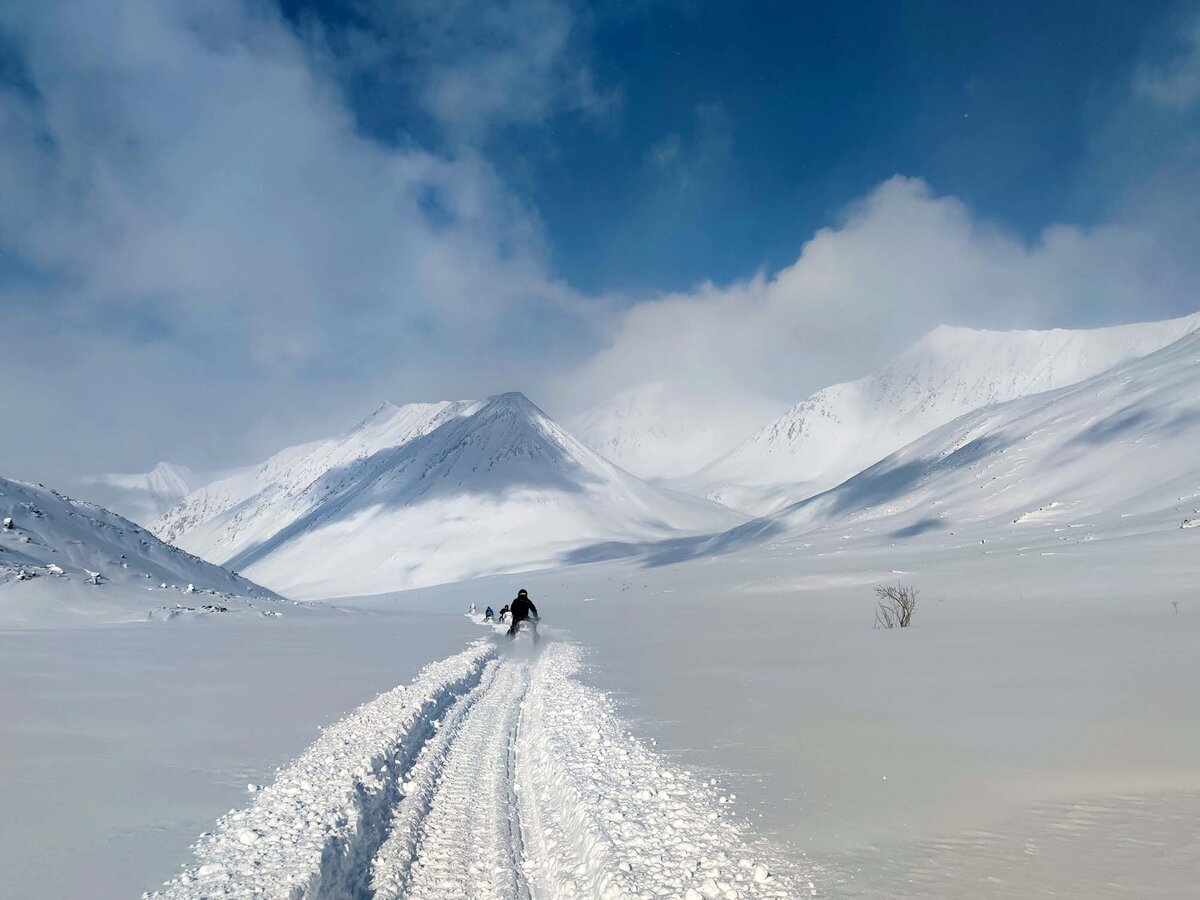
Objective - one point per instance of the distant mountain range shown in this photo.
(426, 493)
(1113, 453)
(843, 429)
(660, 431)
(965, 427)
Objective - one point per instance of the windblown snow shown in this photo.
(496, 776)
(842, 429)
(141, 497)
(59, 555)
(426, 493)
(661, 430)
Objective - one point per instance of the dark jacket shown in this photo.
(522, 609)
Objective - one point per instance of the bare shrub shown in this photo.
(896, 605)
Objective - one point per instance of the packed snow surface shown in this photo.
(61, 556)
(494, 775)
(843, 429)
(422, 494)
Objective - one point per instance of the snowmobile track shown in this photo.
(469, 841)
(491, 777)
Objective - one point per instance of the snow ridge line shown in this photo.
(313, 832)
(604, 817)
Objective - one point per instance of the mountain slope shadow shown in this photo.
(506, 446)
(883, 482)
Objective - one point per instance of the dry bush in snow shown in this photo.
(896, 605)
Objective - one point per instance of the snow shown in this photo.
(897, 763)
(64, 561)
(660, 430)
(141, 497)
(423, 494)
(314, 830)
(491, 775)
(119, 745)
(709, 715)
(1114, 453)
(842, 429)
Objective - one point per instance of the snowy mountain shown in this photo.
(1114, 452)
(842, 429)
(660, 431)
(422, 494)
(141, 497)
(65, 554)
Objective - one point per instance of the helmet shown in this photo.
(522, 593)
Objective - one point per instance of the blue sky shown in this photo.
(268, 217)
(734, 133)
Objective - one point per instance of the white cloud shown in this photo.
(203, 257)
(478, 64)
(903, 261)
(1174, 84)
(179, 176)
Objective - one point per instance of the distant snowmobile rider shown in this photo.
(523, 609)
(488, 614)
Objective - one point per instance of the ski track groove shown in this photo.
(468, 847)
(391, 870)
(491, 777)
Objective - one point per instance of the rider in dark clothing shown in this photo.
(522, 609)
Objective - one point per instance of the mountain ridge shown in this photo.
(425, 492)
(846, 427)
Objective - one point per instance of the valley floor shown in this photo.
(1033, 735)
(495, 774)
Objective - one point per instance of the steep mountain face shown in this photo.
(660, 431)
(1114, 453)
(49, 540)
(141, 497)
(423, 494)
(293, 470)
(844, 428)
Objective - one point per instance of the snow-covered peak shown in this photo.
(842, 429)
(423, 493)
(1115, 451)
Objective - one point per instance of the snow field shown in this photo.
(470, 843)
(604, 817)
(490, 777)
(313, 832)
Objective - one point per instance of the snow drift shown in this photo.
(842, 429)
(422, 494)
